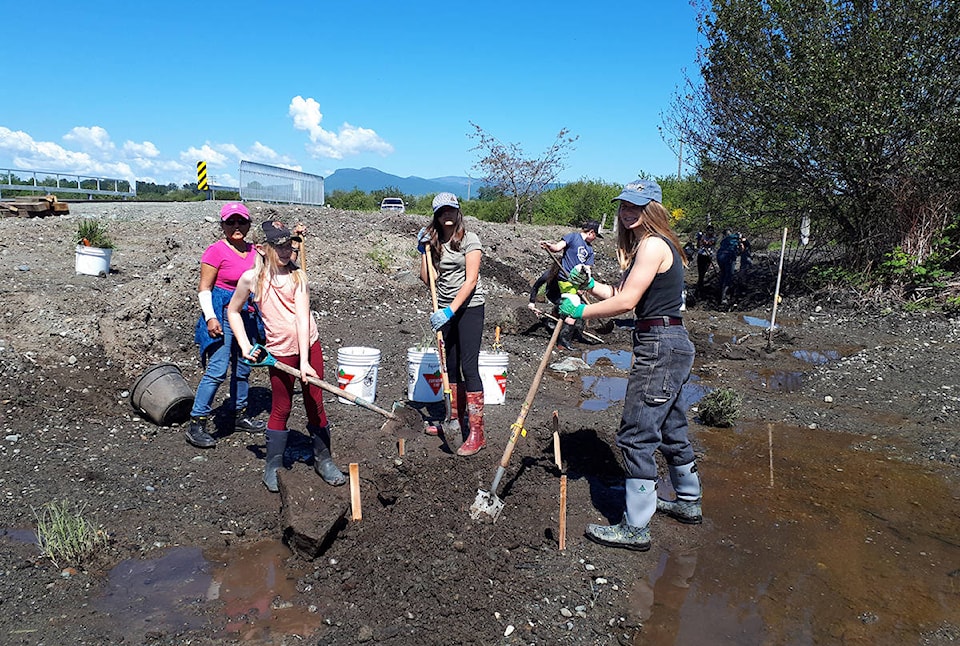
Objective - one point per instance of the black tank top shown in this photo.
(665, 294)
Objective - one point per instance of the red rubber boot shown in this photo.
(475, 441)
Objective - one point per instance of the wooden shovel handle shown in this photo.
(528, 402)
(330, 388)
(441, 350)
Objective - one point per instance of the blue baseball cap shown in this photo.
(641, 193)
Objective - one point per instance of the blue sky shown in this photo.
(145, 90)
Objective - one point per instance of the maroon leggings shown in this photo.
(281, 385)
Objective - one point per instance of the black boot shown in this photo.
(323, 464)
(197, 435)
(276, 445)
(564, 340)
(243, 422)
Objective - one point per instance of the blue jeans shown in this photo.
(217, 364)
(654, 415)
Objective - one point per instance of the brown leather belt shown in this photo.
(644, 325)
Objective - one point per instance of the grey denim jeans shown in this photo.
(653, 413)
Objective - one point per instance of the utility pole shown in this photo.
(680, 160)
(469, 182)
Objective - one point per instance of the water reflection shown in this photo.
(172, 592)
(759, 322)
(621, 359)
(602, 391)
(815, 357)
(779, 380)
(807, 540)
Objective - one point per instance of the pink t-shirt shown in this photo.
(278, 311)
(229, 263)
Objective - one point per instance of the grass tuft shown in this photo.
(65, 536)
(720, 407)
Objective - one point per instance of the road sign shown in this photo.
(202, 176)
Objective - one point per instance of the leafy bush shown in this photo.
(577, 202)
(65, 536)
(93, 233)
(720, 407)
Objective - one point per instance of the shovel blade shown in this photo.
(486, 504)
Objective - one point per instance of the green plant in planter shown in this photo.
(93, 233)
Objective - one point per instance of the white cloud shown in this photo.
(89, 151)
(205, 153)
(351, 140)
(146, 149)
(93, 139)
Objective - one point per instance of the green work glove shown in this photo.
(581, 278)
(571, 306)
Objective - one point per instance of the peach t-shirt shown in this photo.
(280, 318)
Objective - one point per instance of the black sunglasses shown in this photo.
(236, 222)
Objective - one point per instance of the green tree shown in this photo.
(506, 169)
(848, 110)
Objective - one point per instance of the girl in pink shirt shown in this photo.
(279, 288)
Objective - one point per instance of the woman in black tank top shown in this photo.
(654, 415)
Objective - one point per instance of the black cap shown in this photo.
(591, 225)
(277, 234)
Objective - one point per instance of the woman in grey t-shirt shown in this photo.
(455, 254)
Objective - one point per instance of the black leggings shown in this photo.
(461, 341)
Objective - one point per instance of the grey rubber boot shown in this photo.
(323, 463)
(633, 531)
(686, 508)
(276, 445)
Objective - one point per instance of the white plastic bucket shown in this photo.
(357, 370)
(93, 261)
(424, 379)
(493, 374)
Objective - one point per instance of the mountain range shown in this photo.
(370, 179)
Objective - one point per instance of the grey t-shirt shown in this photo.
(453, 272)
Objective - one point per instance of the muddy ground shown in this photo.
(417, 569)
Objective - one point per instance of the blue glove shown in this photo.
(581, 278)
(423, 238)
(439, 318)
(568, 307)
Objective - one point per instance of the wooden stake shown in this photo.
(357, 514)
(770, 450)
(563, 512)
(776, 291)
(401, 445)
(556, 441)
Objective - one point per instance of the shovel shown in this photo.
(267, 359)
(447, 394)
(487, 502)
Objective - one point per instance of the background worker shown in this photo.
(727, 253)
(577, 248)
(654, 415)
(706, 241)
(455, 254)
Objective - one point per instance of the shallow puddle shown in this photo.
(808, 538)
(18, 535)
(602, 392)
(815, 357)
(759, 322)
(621, 359)
(778, 380)
(246, 587)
